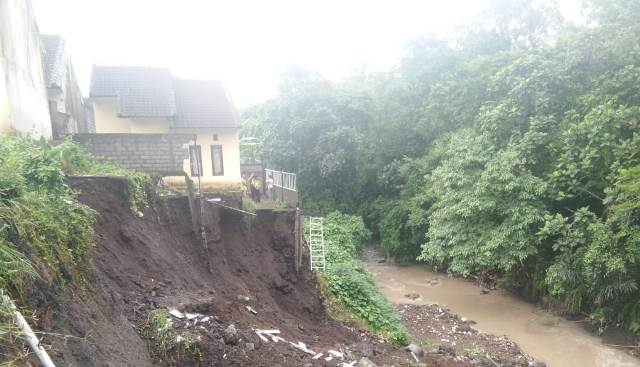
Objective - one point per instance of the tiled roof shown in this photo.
(203, 103)
(141, 91)
(55, 60)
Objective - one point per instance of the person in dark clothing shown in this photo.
(254, 188)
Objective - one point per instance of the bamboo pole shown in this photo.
(27, 333)
(231, 208)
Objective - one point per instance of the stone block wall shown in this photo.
(158, 154)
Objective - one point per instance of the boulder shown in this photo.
(230, 335)
(365, 362)
(615, 335)
(365, 349)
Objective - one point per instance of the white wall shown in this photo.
(22, 85)
(229, 139)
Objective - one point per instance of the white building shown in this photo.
(23, 94)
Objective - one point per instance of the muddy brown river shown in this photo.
(556, 341)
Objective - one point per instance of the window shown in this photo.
(195, 160)
(216, 160)
(215, 137)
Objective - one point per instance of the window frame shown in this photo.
(198, 152)
(213, 164)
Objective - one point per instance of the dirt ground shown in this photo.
(155, 262)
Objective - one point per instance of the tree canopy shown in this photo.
(511, 147)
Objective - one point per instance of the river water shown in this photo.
(554, 340)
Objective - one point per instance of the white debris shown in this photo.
(179, 338)
(262, 336)
(177, 314)
(329, 358)
(251, 310)
(273, 331)
(336, 354)
(191, 316)
(348, 364)
(302, 347)
(269, 333)
(317, 356)
(205, 319)
(414, 357)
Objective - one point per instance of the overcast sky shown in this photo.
(247, 44)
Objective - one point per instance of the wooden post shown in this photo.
(296, 239)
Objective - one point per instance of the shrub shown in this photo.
(351, 283)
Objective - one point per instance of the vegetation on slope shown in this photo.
(44, 231)
(351, 284)
(510, 147)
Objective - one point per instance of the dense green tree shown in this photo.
(510, 147)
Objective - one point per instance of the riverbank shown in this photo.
(552, 339)
(439, 330)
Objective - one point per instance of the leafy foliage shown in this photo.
(351, 283)
(39, 213)
(168, 344)
(509, 146)
(41, 222)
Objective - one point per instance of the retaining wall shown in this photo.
(161, 154)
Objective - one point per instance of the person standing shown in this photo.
(254, 188)
(269, 183)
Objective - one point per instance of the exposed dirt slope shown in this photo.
(156, 262)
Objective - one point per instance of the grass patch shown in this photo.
(335, 308)
(169, 345)
(42, 223)
(351, 284)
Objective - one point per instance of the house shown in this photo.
(149, 100)
(66, 104)
(23, 96)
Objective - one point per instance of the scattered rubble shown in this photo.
(444, 333)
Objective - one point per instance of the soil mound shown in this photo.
(145, 264)
(156, 262)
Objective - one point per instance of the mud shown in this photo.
(552, 339)
(141, 264)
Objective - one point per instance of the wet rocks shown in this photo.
(230, 335)
(453, 337)
(365, 362)
(415, 349)
(615, 335)
(446, 350)
(365, 349)
(412, 296)
(548, 320)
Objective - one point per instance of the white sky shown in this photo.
(245, 43)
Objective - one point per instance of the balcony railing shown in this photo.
(282, 179)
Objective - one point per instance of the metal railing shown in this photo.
(282, 179)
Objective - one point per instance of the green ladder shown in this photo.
(316, 244)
